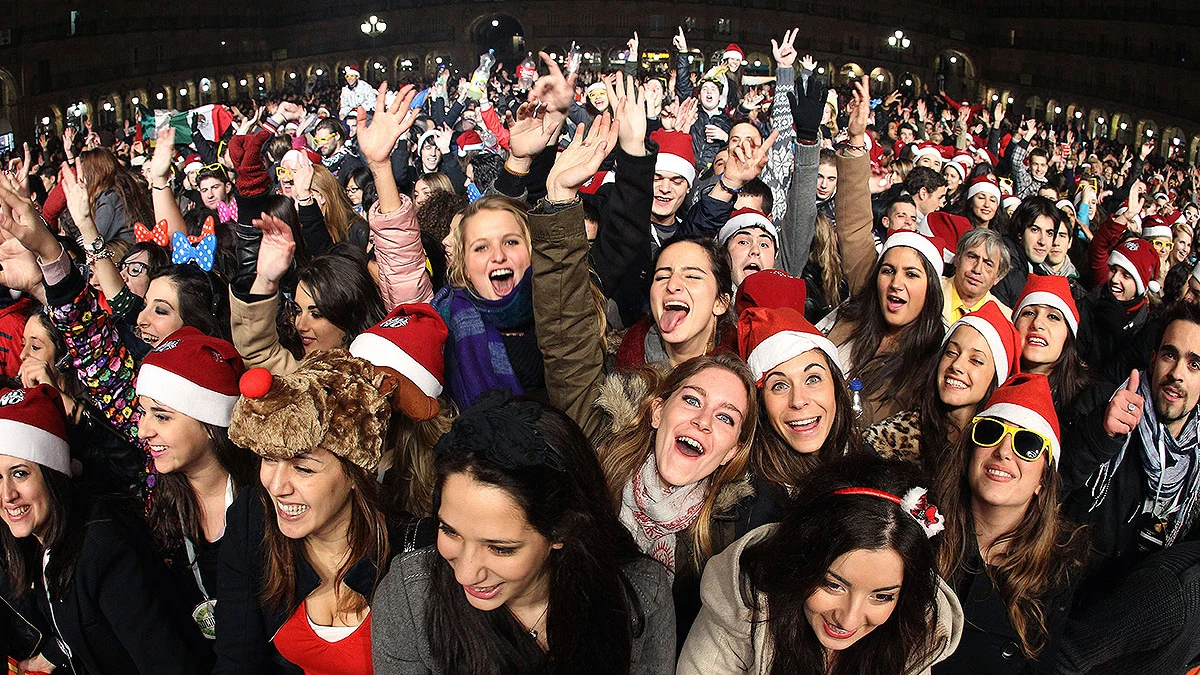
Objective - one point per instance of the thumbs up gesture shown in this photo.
(1124, 409)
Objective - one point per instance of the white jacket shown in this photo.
(362, 94)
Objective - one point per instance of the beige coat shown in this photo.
(726, 639)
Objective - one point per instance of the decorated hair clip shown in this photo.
(915, 503)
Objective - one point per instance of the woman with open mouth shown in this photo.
(83, 569)
(487, 304)
(888, 332)
(980, 351)
(307, 547)
(846, 583)
(803, 401)
(186, 390)
(532, 571)
(1047, 322)
(1011, 558)
(674, 444)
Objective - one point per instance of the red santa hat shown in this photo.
(771, 288)
(930, 248)
(734, 52)
(985, 185)
(409, 341)
(675, 154)
(1051, 291)
(195, 374)
(193, 162)
(469, 141)
(1156, 227)
(745, 218)
(965, 159)
(946, 229)
(34, 426)
(769, 336)
(1138, 257)
(957, 168)
(598, 179)
(351, 70)
(1024, 400)
(1010, 203)
(1001, 337)
(925, 148)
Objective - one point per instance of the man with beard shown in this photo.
(337, 155)
(1135, 475)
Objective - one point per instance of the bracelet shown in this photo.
(166, 186)
(721, 181)
(95, 246)
(859, 148)
(94, 257)
(519, 174)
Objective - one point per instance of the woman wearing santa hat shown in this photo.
(889, 330)
(803, 401)
(980, 351)
(306, 548)
(186, 389)
(85, 565)
(1118, 310)
(1048, 327)
(981, 204)
(1011, 558)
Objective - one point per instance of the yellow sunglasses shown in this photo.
(282, 172)
(324, 139)
(1163, 245)
(988, 432)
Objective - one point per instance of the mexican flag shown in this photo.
(214, 121)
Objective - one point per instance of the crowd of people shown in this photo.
(600, 373)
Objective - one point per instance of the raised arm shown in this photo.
(161, 194)
(853, 201)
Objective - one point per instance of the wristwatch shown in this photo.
(96, 246)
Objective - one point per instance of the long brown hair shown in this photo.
(338, 211)
(774, 460)
(410, 480)
(1043, 551)
(829, 257)
(100, 171)
(622, 454)
(367, 536)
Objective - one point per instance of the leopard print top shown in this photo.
(896, 437)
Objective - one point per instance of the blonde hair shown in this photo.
(901, 166)
(623, 453)
(829, 257)
(456, 270)
(337, 209)
(436, 181)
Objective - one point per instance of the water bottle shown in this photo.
(856, 402)
(527, 72)
(483, 73)
(574, 60)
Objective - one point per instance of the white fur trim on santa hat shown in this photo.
(1000, 355)
(747, 220)
(381, 351)
(35, 444)
(1050, 300)
(185, 396)
(346, 71)
(1157, 232)
(1115, 257)
(595, 87)
(677, 165)
(1027, 419)
(930, 150)
(1011, 202)
(786, 345)
(1065, 205)
(957, 166)
(984, 186)
(733, 54)
(921, 243)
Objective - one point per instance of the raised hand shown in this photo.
(78, 203)
(680, 41)
(922, 109)
(1147, 148)
(442, 138)
(377, 139)
(274, 254)
(581, 159)
(532, 130)
(18, 267)
(629, 103)
(807, 62)
(164, 152)
(808, 109)
(714, 133)
(785, 51)
(19, 219)
(686, 115)
(1125, 409)
(860, 110)
(303, 177)
(553, 90)
(634, 47)
(746, 160)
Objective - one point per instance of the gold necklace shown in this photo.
(533, 633)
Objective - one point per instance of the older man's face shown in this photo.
(976, 271)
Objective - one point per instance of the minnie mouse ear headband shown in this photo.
(504, 431)
(333, 402)
(915, 503)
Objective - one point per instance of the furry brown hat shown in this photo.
(333, 401)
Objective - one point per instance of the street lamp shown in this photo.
(135, 100)
(373, 26)
(899, 42)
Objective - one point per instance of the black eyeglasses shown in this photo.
(134, 268)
